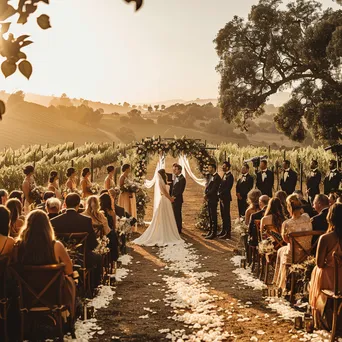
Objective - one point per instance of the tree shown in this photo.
(277, 48)
(156, 107)
(126, 105)
(149, 109)
(163, 107)
(16, 98)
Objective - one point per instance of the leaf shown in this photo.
(138, 3)
(44, 21)
(23, 18)
(22, 38)
(21, 55)
(8, 68)
(25, 68)
(5, 27)
(27, 42)
(7, 13)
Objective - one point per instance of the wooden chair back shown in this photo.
(295, 242)
(98, 228)
(337, 266)
(76, 245)
(40, 287)
(257, 228)
(272, 231)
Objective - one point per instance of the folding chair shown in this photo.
(76, 244)
(40, 293)
(295, 241)
(335, 295)
(4, 261)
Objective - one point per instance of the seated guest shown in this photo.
(299, 222)
(16, 218)
(107, 209)
(307, 208)
(46, 196)
(321, 205)
(322, 276)
(332, 198)
(53, 207)
(17, 194)
(252, 230)
(253, 201)
(73, 222)
(6, 242)
(37, 245)
(3, 196)
(281, 195)
(274, 215)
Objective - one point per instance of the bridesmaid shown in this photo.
(109, 181)
(54, 184)
(71, 183)
(86, 183)
(127, 199)
(28, 185)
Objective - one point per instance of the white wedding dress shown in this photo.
(163, 229)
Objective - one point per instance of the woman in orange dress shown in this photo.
(86, 183)
(322, 277)
(71, 183)
(127, 199)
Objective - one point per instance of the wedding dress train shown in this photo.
(163, 229)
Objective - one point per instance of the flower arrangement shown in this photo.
(142, 199)
(36, 194)
(125, 225)
(203, 218)
(102, 247)
(240, 227)
(266, 246)
(95, 188)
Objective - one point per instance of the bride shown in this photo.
(163, 229)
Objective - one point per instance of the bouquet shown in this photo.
(102, 247)
(95, 188)
(36, 194)
(125, 225)
(266, 246)
(240, 227)
(130, 186)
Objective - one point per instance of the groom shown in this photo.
(176, 191)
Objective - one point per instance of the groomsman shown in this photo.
(332, 179)
(176, 191)
(243, 186)
(313, 181)
(288, 180)
(265, 179)
(211, 196)
(225, 197)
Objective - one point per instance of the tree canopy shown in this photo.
(296, 47)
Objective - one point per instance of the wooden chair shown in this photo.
(40, 293)
(253, 250)
(335, 295)
(4, 261)
(76, 244)
(260, 258)
(295, 239)
(106, 258)
(270, 258)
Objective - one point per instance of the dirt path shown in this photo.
(142, 293)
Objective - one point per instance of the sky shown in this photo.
(103, 50)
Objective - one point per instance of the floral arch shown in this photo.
(148, 147)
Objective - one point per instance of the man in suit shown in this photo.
(176, 191)
(225, 197)
(288, 180)
(243, 186)
(265, 179)
(252, 232)
(333, 179)
(319, 222)
(211, 196)
(73, 222)
(313, 181)
(53, 207)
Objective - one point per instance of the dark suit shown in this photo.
(211, 192)
(319, 222)
(312, 184)
(289, 185)
(225, 197)
(266, 186)
(252, 232)
(243, 186)
(333, 183)
(176, 190)
(73, 222)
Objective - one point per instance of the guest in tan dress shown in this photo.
(28, 185)
(322, 276)
(298, 222)
(54, 184)
(127, 199)
(86, 183)
(71, 183)
(109, 181)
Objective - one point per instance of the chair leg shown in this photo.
(267, 269)
(253, 259)
(22, 327)
(262, 270)
(60, 326)
(5, 322)
(293, 280)
(334, 322)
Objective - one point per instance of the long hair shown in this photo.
(293, 204)
(163, 175)
(275, 209)
(282, 197)
(253, 198)
(15, 207)
(70, 171)
(4, 221)
(36, 240)
(334, 219)
(105, 202)
(93, 208)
